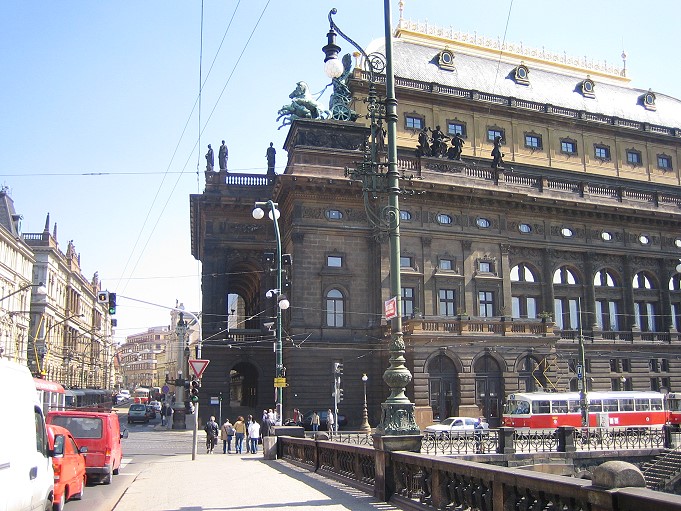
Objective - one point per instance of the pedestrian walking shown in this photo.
(169, 416)
(211, 429)
(239, 433)
(254, 435)
(226, 435)
(249, 419)
(329, 421)
(314, 420)
(163, 413)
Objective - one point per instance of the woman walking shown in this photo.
(226, 434)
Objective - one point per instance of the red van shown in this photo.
(101, 433)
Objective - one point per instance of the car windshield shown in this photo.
(138, 408)
(80, 427)
(447, 422)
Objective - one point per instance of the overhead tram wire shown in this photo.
(172, 159)
(197, 142)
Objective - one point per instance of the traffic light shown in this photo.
(340, 395)
(112, 303)
(338, 368)
(187, 385)
(103, 297)
(194, 392)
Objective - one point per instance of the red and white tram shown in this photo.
(549, 410)
(674, 409)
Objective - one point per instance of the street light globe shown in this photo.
(333, 68)
(276, 214)
(258, 213)
(365, 378)
(284, 303)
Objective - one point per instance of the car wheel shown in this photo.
(59, 506)
(117, 469)
(107, 478)
(79, 495)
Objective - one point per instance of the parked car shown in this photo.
(307, 420)
(465, 425)
(26, 473)
(151, 413)
(101, 433)
(69, 466)
(156, 405)
(137, 413)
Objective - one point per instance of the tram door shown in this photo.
(489, 389)
(442, 388)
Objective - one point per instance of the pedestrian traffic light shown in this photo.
(338, 368)
(187, 385)
(103, 297)
(112, 303)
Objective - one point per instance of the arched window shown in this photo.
(335, 308)
(646, 302)
(525, 291)
(608, 300)
(567, 292)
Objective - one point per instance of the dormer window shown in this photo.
(446, 60)
(648, 100)
(588, 87)
(522, 74)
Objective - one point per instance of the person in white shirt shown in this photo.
(254, 435)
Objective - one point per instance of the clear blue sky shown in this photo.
(99, 122)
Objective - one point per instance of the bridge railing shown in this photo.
(419, 481)
(510, 440)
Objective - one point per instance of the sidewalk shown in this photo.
(241, 482)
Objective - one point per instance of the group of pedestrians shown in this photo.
(243, 429)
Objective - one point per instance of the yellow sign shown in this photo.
(280, 380)
(280, 383)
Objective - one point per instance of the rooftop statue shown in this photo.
(303, 106)
(339, 102)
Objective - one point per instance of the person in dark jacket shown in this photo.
(211, 428)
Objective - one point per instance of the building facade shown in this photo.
(572, 233)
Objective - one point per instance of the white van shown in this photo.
(26, 475)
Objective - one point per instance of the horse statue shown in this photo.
(303, 106)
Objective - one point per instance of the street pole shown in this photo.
(581, 373)
(179, 413)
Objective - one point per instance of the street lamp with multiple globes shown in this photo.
(398, 429)
(282, 301)
(365, 426)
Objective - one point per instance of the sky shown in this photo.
(108, 106)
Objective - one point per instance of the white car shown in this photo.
(464, 425)
(156, 405)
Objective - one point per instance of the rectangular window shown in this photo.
(407, 301)
(665, 364)
(655, 384)
(446, 264)
(493, 133)
(602, 152)
(634, 157)
(413, 123)
(664, 162)
(334, 261)
(485, 267)
(406, 262)
(568, 147)
(447, 302)
(533, 141)
(455, 127)
(614, 365)
(486, 304)
(654, 366)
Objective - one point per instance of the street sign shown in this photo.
(165, 389)
(391, 308)
(579, 371)
(280, 383)
(198, 366)
(215, 400)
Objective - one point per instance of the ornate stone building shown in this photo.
(576, 231)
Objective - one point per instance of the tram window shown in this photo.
(642, 405)
(521, 408)
(610, 405)
(596, 405)
(655, 404)
(626, 405)
(674, 405)
(542, 407)
(573, 406)
(559, 407)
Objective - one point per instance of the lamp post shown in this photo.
(40, 350)
(397, 412)
(581, 373)
(365, 415)
(179, 412)
(41, 290)
(282, 301)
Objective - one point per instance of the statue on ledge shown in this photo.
(303, 106)
(454, 152)
(210, 162)
(270, 154)
(222, 157)
(497, 155)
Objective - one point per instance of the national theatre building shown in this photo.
(564, 243)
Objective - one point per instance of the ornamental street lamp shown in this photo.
(179, 411)
(282, 301)
(365, 415)
(398, 429)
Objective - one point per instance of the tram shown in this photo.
(549, 410)
(51, 395)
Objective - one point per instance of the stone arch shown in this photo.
(444, 390)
